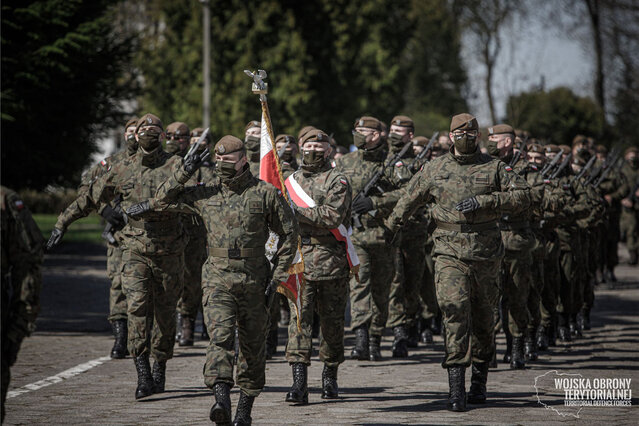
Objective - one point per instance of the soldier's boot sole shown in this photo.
(220, 415)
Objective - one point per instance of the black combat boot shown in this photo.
(186, 335)
(564, 334)
(271, 343)
(518, 361)
(609, 276)
(542, 338)
(119, 327)
(509, 348)
(493, 361)
(360, 351)
(530, 346)
(374, 348)
(159, 376)
(145, 380)
(477, 393)
(633, 257)
(574, 329)
(299, 391)
(426, 332)
(586, 319)
(221, 410)
(552, 331)
(400, 344)
(329, 383)
(243, 412)
(436, 325)
(178, 327)
(413, 335)
(457, 386)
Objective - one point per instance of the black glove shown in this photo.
(271, 288)
(139, 208)
(55, 238)
(362, 205)
(468, 205)
(194, 161)
(114, 217)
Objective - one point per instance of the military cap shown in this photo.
(251, 124)
(500, 129)
(178, 128)
(197, 132)
(304, 130)
(403, 121)
(551, 147)
(579, 139)
(132, 122)
(600, 149)
(522, 133)
(581, 157)
(285, 138)
(463, 121)
(566, 148)
(149, 120)
(420, 141)
(631, 149)
(535, 147)
(315, 135)
(228, 145)
(369, 122)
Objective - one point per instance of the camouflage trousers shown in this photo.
(403, 301)
(552, 279)
(536, 285)
(329, 298)
(427, 292)
(194, 257)
(151, 285)
(516, 288)
(629, 225)
(569, 276)
(369, 296)
(610, 241)
(243, 305)
(117, 300)
(468, 295)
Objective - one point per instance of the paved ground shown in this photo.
(64, 377)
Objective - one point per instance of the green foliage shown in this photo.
(328, 62)
(62, 81)
(556, 115)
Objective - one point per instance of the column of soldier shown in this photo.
(452, 239)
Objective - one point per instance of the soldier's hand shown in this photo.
(139, 208)
(362, 205)
(113, 216)
(55, 238)
(468, 205)
(193, 162)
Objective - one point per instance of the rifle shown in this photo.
(109, 229)
(596, 173)
(373, 182)
(517, 155)
(194, 148)
(562, 166)
(605, 172)
(425, 151)
(283, 149)
(584, 169)
(549, 166)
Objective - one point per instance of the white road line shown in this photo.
(66, 374)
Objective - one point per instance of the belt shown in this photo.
(466, 227)
(236, 253)
(513, 226)
(318, 241)
(167, 226)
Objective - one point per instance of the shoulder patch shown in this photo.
(19, 204)
(546, 181)
(399, 164)
(534, 167)
(343, 181)
(333, 164)
(200, 184)
(508, 168)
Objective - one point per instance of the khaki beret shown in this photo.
(579, 139)
(403, 121)
(178, 128)
(566, 148)
(149, 120)
(304, 130)
(631, 149)
(197, 132)
(368, 122)
(132, 122)
(600, 149)
(535, 147)
(285, 138)
(500, 129)
(315, 135)
(420, 141)
(522, 133)
(463, 121)
(228, 145)
(551, 147)
(251, 124)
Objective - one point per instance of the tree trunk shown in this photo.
(593, 11)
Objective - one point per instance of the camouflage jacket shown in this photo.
(193, 224)
(616, 186)
(449, 179)
(359, 167)
(288, 168)
(332, 194)
(136, 179)
(254, 162)
(579, 208)
(22, 249)
(632, 177)
(237, 215)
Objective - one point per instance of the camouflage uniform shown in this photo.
(629, 221)
(22, 247)
(237, 216)
(468, 247)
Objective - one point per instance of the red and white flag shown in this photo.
(341, 233)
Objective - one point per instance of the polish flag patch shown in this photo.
(509, 169)
(343, 181)
(399, 164)
(19, 204)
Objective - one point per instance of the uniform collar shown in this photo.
(376, 154)
(239, 182)
(465, 158)
(150, 159)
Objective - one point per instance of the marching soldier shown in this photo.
(177, 138)
(471, 192)
(630, 205)
(238, 210)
